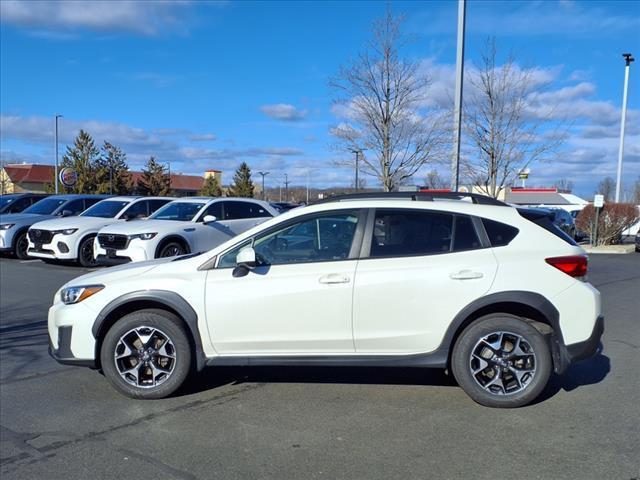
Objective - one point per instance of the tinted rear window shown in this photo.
(465, 236)
(500, 234)
(543, 220)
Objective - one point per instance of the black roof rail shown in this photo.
(415, 196)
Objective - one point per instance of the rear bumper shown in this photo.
(569, 354)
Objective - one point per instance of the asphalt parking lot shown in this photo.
(241, 423)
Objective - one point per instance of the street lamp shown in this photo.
(358, 152)
(286, 187)
(263, 174)
(56, 167)
(455, 160)
(628, 58)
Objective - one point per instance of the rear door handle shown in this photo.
(465, 275)
(334, 278)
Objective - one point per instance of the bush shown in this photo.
(613, 220)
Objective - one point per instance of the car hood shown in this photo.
(75, 222)
(22, 219)
(144, 226)
(111, 274)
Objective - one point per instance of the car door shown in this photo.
(420, 268)
(205, 236)
(298, 300)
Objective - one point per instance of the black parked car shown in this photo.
(638, 241)
(17, 202)
(563, 220)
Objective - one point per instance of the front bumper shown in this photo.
(565, 355)
(6, 240)
(63, 353)
(111, 261)
(53, 250)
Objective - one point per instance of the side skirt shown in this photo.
(436, 359)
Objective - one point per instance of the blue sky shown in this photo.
(210, 84)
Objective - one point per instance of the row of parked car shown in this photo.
(107, 230)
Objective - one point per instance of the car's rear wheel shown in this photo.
(501, 361)
(146, 354)
(172, 249)
(21, 246)
(85, 253)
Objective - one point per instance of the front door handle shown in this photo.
(465, 275)
(334, 278)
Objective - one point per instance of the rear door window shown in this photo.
(239, 210)
(411, 232)
(465, 235)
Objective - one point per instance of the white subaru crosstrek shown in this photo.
(71, 238)
(186, 225)
(495, 294)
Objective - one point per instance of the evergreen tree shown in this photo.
(83, 158)
(154, 181)
(242, 184)
(211, 188)
(112, 173)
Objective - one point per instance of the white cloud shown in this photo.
(202, 137)
(284, 111)
(140, 17)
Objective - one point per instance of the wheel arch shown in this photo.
(172, 238)
(529, 305)
(84, 237)
(149, 299)
(20, 231)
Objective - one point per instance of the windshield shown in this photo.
(46, 206)
(181, 211)
(105, 209)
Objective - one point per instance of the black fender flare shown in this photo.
(529, 299)
(172, 237)
(171, 300)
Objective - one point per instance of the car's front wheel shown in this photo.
(501, 361)
(146, 354)
(21, 246)
(171, 249)
(85, 253)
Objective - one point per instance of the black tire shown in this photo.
(172, 248)
(85, 253)
(20, 246)
(511, 392)
(167, 325)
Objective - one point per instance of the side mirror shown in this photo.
(245, 262)
(128, 216)
(67, 213)
(209, 219)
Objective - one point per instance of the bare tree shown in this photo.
(504, 135)
(606, 187)
(384, 97)
(564, 185)
(434, 181)
(636, 192)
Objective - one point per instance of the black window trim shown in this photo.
(365, 250)
(356, 243)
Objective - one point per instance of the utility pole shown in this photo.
(56, 167)
(628, 58)
(263, 174)
(286, 187)
(455, 160)
(307, 186)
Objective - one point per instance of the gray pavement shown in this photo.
(363, 423)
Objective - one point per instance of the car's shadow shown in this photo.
(587, 372)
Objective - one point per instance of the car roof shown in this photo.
(72, 196)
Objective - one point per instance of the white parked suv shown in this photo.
(183, 226)
(495, 294)
(71, 238)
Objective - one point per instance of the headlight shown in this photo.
(143, 236)
(6, 226)
(71, 295)
(66, 231)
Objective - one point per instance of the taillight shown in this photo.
(572, 265)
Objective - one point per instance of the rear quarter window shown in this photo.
(500, 234)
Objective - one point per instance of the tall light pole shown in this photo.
(57, 116)
(358, 152)
(286, 187)
(455, 160)
(628, 58)
(263, 174)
